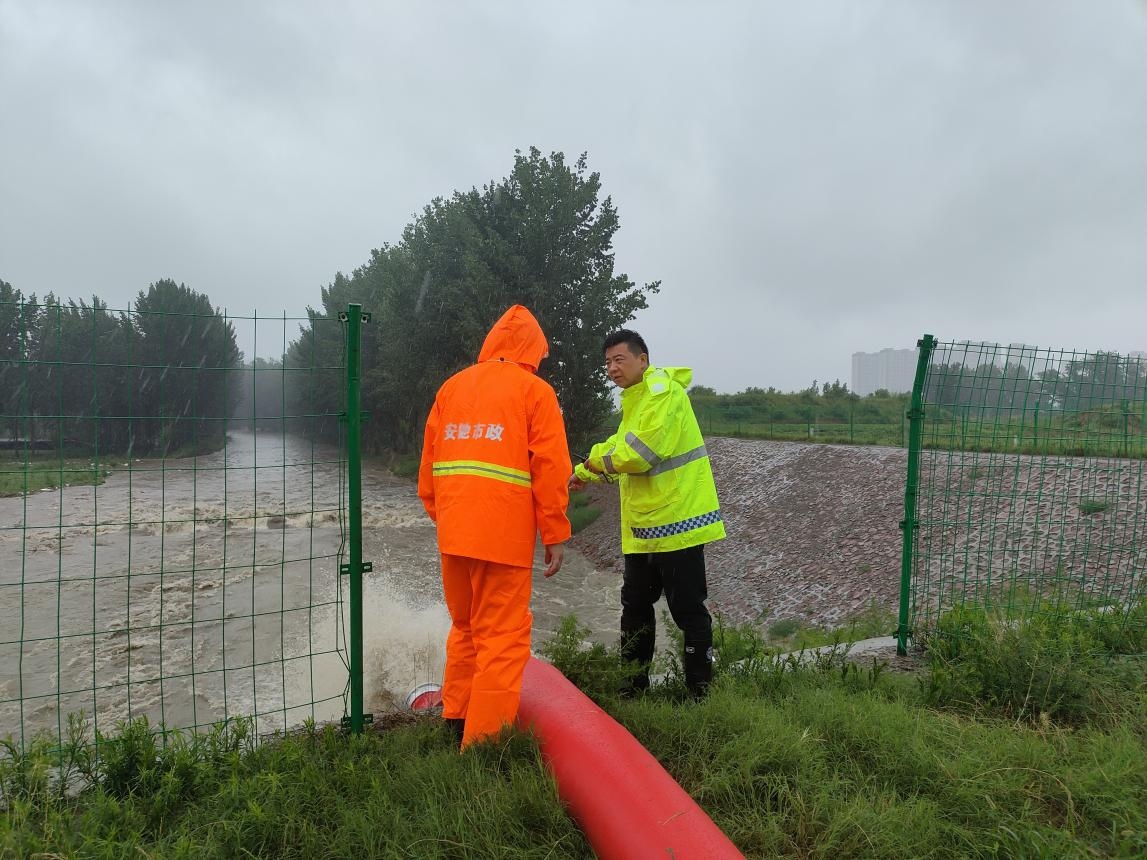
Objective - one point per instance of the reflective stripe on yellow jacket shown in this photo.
(658, 456)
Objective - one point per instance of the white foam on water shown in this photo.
(403, 645)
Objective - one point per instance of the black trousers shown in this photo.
(680, 575)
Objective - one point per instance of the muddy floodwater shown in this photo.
(191, 590)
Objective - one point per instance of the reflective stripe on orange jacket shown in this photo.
(494, 457)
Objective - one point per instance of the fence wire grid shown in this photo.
(171, 521)
(1029, 489)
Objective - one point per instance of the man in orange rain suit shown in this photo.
(493, 475)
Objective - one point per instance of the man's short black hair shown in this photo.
(632, 339)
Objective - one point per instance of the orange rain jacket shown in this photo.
(494, 458)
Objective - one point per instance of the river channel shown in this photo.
(196, 589)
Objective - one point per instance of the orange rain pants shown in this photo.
(488, 645)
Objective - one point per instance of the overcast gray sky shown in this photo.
(807, 179)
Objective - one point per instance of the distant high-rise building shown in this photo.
(891, 369)
(971, 353)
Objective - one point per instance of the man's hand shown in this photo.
(554, 555)
(585, 474)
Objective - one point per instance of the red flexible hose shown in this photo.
(619, 794)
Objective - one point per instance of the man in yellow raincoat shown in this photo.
(669, 507)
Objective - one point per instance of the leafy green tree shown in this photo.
(835, 390)
(81, 375)
(756, 409)
(1049, 389)
(187, 358)
(1135, 370)
(95, 381)
(13, 371)
(540, 237)
(315, 361)
(1016, 390)
(553, 250)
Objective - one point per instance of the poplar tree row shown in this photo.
(160, 380)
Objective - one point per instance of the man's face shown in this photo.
(623, 366)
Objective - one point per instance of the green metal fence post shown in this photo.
(81, 394)
(908, 524)
(354, 319)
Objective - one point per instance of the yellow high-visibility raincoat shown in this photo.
(658, 456)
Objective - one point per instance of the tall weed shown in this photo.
(1052, 665)
(597, 670)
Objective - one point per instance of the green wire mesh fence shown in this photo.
(846, 425)
(171, 518)
(1026, 483)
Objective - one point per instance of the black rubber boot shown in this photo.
(698, 664)
(637, 649)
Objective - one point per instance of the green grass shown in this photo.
(825, 764)
(402, 792)
(405, 466)
(943, 433)
(580, 512)
(793, 634)
(400, 465)
(828, 433)
(1071, 434)
(1092, 506)
(1057, 664)
(20, 476)
(832, 758)
(1065, 435)
(791, 757)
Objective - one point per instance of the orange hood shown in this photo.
(516, 337)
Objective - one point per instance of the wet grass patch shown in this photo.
(404, 791)
(1087, 507)
(18, 477)
(808, 754)
(794, 634)
(581, 511)
(817, 755)
(1056, 664)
